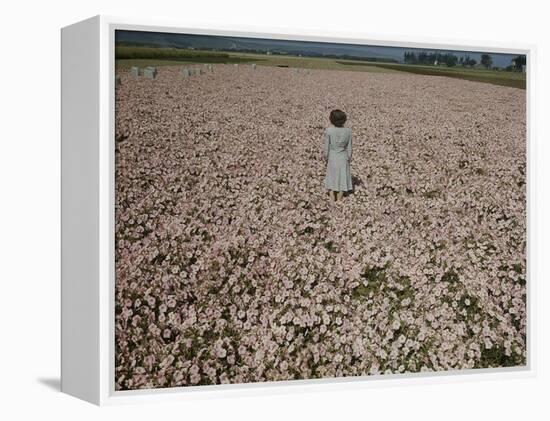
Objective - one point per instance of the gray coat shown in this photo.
(337, 152)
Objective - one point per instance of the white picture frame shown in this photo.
(87, 314)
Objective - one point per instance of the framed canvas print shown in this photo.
(244, 211)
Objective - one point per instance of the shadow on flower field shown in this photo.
(233, 266)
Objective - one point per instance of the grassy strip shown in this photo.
(167, 56)
(122, 52)
(127, 63)
(312, 62)
(501, 78)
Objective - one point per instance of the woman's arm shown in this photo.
(349, 146)
(327, 144)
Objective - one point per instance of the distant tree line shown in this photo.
(430, 58)
(450, 60)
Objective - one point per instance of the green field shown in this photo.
(149, 56)
(139, 56)
(312, 62)
(495, 77)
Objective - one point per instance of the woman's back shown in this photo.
(339, 138)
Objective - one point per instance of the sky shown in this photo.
(291, 47)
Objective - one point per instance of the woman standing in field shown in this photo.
(337, 152)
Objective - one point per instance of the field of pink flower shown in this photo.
(232, 265)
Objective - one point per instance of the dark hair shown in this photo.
(338, 118)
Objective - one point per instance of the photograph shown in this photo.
(293, 209)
